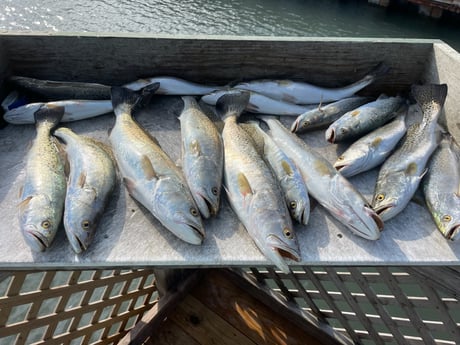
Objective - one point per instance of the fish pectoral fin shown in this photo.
(243, 185)
(21, 189)
(81, 179)
(25, 202)
(195, 148)
(147, 168)
(287, 168)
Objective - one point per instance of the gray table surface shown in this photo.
(129, 236)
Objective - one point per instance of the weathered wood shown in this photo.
(306, 321)
(444, 278)
(115, 60)
(155, 316)
(260, 323)
(205, 326)
(170, 334)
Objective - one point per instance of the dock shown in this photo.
(430, 8)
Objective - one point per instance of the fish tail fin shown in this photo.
(49, 114)
(125, 100)
(379, 71)
(232, 103)
(430, 98)
(268, 118)
(64, 134)
(190, 102)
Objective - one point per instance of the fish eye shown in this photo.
(288, 233)
(446, 218)
(194, 211)
(85, 224)
(306, 123)
(214, 190)
(341, 158)
(293, 204)
(46, 224)
(380, 197)
(343, 130)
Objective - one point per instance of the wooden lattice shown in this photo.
(72, 307)
(373, 305)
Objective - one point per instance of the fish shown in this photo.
(261, 104)
(441, 187)
(43, 193)
(400, 175)
(74, 110)
(252, 189)
(202, 157)
(372, 149)
(61, 90)
(288, 175)
(324, 183)
(149, 175)
(364, 119)
(304, 93)
(173, 86)
(323, 116)
(91, 182)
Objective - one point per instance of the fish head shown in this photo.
(205, 182)
(81, 217)
(306, 120)
(354, 210)
(393, 192)
(275, 237)
(177, 211)
(337, 133)
(298, 204)
(39, 221)
(447, 215)
(351, 162)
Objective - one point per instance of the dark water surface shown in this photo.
(253, 17)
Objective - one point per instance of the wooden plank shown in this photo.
(116, 60)
(155, 316)
(205, 326)
(247, 314)
(170, 334)
(443, 278)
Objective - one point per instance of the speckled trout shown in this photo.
(42, 196)
(252, 189)
(323, 116)
(441, 187)
(372, 149)
(150, 176)
(288, 175)
(173, 86)
(364, 119)
(400, 174)
(202, 157)
(304, 93)
(326, 185)
(90, 184)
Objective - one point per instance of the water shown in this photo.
(253, 17)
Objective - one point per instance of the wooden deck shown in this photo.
(218, 311)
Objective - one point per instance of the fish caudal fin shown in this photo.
(430, 98)
(49, 114)
(232, 103)
(378, 71)
(125, 100)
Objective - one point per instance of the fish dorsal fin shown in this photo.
(23, 204)
(243, 185)
(81, 179)
(195, 148)
(287, 168)
(147, 168)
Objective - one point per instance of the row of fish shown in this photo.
(266, 176)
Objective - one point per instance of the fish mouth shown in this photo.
(330, 135)
(375, 216)
(206, 206)
(453, 233)
(304, 216)
(295, 126)
(36, 241)
(196, 236)
(383, 210)
(278, 251)
(77, 244)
